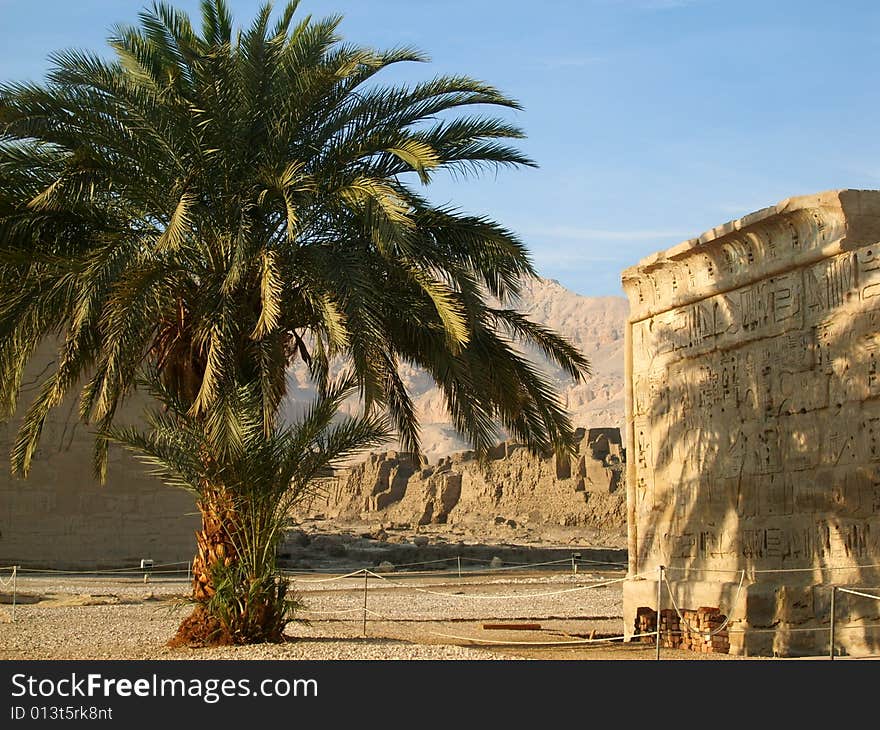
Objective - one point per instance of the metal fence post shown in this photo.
(14, 587)
(659, 598)
(831, 640)
(458, 559)
(366, 578)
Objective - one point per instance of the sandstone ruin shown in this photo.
(61, 518)
(514, 486)
(753, 425)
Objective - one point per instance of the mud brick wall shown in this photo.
(60, 517)
(753, 407)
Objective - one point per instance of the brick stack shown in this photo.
(670, 629)
(645, 624)
(692, 635)
(705, 620)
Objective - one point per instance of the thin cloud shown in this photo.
(576, 233)
(545, 259)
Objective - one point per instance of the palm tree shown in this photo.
(240, 596)
(211, 205)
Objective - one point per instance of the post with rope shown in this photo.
(366, 578)
(14, 586)
(659, 598)
(146, 565)
(831, 640)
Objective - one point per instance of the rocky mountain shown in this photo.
(594, 324)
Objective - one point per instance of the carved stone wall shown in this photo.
(753, 421)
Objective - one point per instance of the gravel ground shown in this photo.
(409, 617)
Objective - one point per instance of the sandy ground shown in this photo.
(409, 616)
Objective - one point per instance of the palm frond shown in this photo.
(214, 202)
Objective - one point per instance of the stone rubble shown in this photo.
(514, 488)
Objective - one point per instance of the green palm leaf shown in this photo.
(190, 217)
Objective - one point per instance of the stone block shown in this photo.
(754, 422)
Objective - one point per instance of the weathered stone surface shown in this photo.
(371, 485)
(514, 488)
(62, 518)
(753, 413)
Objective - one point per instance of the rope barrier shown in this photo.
(857, 593)
(465, 573)
(522, 566)
(11, 583)
(770, 570)
(112, 576)
(431, 573)
(389, 619)
(801, 629)
(601, 562)
(576, 642)
(158, 569)
(691, 629)
(382, 617)
(336, 578)
(454, 573)
(344, 610)
(108, 571)
(778, 630)
(496, 597)
(511, 564)
(424, 562)
(136, 569)
(367, 573)
(561, 560)
(811, 570)
(566, 561)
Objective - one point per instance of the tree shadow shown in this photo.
(755, 442)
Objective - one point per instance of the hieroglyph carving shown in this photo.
(754, 416)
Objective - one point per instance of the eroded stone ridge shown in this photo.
(582, 490)
(753, 417)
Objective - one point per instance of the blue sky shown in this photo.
(651, 120)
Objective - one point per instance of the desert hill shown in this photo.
(594, 324)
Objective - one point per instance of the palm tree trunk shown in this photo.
(215, 540)
(216, 550)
